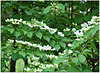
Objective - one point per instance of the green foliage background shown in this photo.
(85, 57)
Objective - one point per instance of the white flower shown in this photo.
(73, 29)
(35, 63)
(79, 34)
(70, 45)
(27, 69)
(24, 22)
(52, 56)
(43, 66)
(60, 34)
(29, 24)
(74, 23)
(77, 39)
(20, 20)
(47, 27)
(56, 65)
(37, 70)
(61, 53)
(70, 51)
(52, 31)
(7, 20)
(49, 66)
(84, 25)
(11, 19)
(67, 29)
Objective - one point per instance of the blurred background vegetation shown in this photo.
(75, 11)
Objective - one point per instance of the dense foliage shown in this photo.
(53, 36)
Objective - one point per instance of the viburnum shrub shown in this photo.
(50, 49)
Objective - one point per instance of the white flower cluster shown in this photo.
(94, 20)
(79, 33)
(34, 61)
(35, 58)
(33, 45)
(51, 56)
(48, 66)
(36, 24)
(38, 70)
(14, 21)
(67, 29)
(43, 26)
(60, 34)
(65, 52)
(27, 69)
(45, 47)
(85, 27)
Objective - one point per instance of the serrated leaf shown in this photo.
(75, 60)
(22, 53)
(81, 58)
(29, 34)
(46, 38)
(11, 30)
(57, 47)
(47, 9)
(38, 34)
(17, 34)
(52, 42)
(62, 44)
(15, 56)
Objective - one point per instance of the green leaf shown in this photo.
(95, 12)
(52, 42)
(3, 64)
(15, 56)
(61, 6)
(24, 32)
(87, 50)
(57, 47)
(17, 34)
(59, 60)
(62, 70)
(47, 9)
(40, 54)
(75, 60)
(8, 50)
(66, 40)
(22, 53)
(81, 58)
(73, 69)
(11, 30)
(46, 38)
(29, 34)
(62, 44)
(38, 34)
